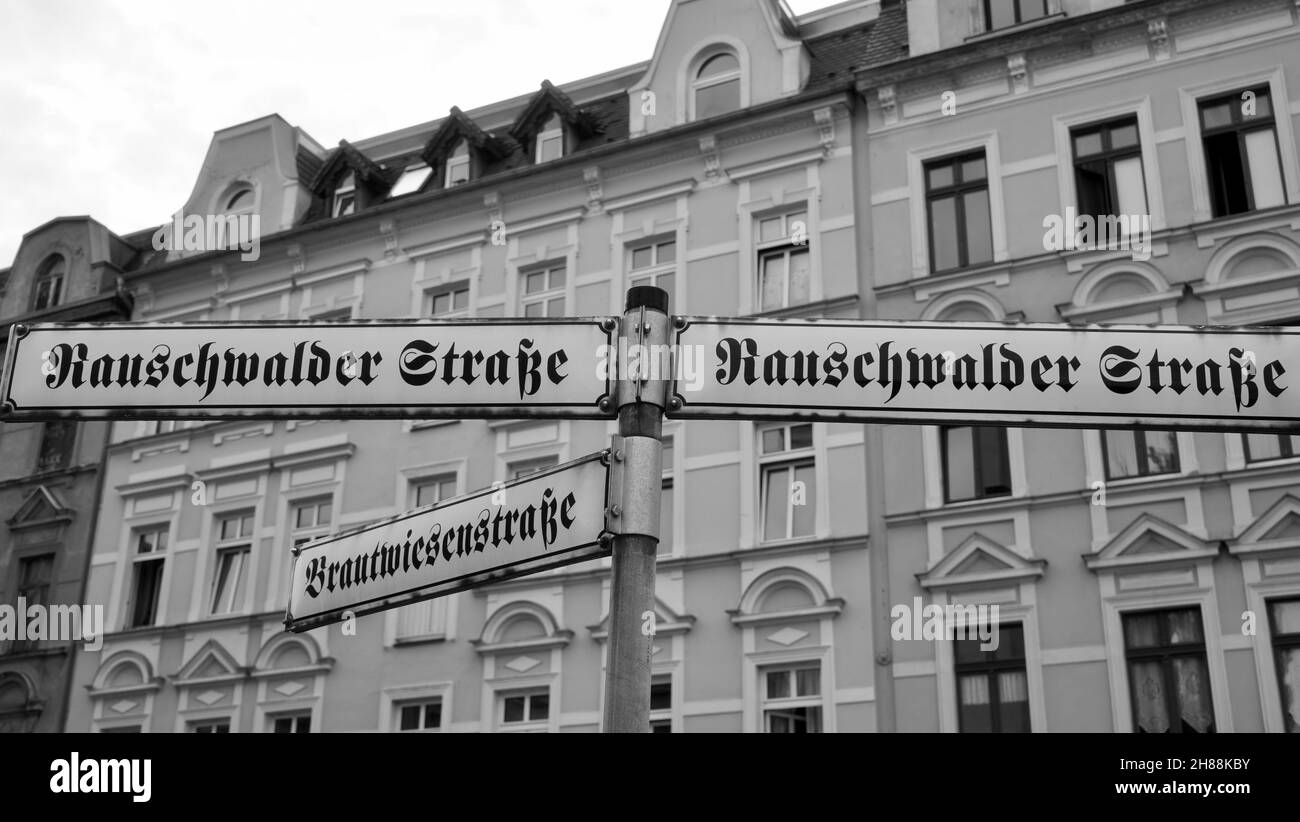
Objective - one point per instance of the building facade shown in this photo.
(66, 270)
(723, 170)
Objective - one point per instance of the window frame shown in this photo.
(1285, 448)
(1240, 128)
(295, 717)
(1164, 654)
(423, 702)
(977, 463)
(768, 703)
(549, 292)
(698, 84)
(54, 270)
(456, 161)
(558, 132)
(225, 547)
(657, 268)
(529, 723)
(343, 202)
(154, 555)
(991, 668)
(958, 190)
(451, 288)
(1139, 435)
(781, 246)
(1279, 643)
(787, 459)
(410, 171)
(1110, 156)
(987, 11)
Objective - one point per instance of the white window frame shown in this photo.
(916, 160)
(549, 292)
(391, 700)
(1198, 174)
(657, 268)
(422, 702)
(1063, 124)
(295, 714)
(695, 84)
(455, 162)
(345, 195)
(161, 526)
(767, 703)
(787, 459)
(665, 714)
(453, 288)
(221, 547)
(528, 724)
(549, 134)
(766, 248)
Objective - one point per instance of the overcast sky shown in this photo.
(107, 106)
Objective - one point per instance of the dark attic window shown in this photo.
(457, 170)
(550, 140)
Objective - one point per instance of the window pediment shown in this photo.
(979, 560)
(1278, 528)
(1150, 540)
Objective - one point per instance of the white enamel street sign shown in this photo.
(379, 368)
(541, 521)
(1026, 374)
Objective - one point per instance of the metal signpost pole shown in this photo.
(634, 511)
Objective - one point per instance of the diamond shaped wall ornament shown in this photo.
(289, 688)
(209, 697)
(122, 706)
(523, 664)
(787, 636)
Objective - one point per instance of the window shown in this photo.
(48, 288)
(314, 514)
(525, 710)
(788, 484)
(457, 165)
(291, 723)
(425, 715)
(1139, 453)
(1264, 447)
(57, 440)
(654, 264)
(784, 267)
(435, 489)
(1169, 680)
(975, 462)
(544, 292)
(412, 179)
(550, 142)
(146, 577)
(210, 726)
(999, 14)
(160, 427)
(1241, 151)
(35, 574)
(239, 199)
(447, 301)
(523, 468)
(993, 690)
(345, 196)
(121, 729)
(234, 541)
(957, 208)
(1284, 626)
(661, 705)
(716, 87)
(792, 702)
(1108, 169)
(666, 501)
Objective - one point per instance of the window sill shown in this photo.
(402, 642)
(777, 543)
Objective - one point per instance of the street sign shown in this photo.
(987, 373)
(378, 368)
(541, 521)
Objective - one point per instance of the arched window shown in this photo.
(716, 86)
(458, 165)
(48, 290)
(239, 198)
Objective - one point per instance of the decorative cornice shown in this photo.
(1158, 34)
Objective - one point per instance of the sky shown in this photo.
(107, 107)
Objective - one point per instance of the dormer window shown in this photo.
(411, 180)
(550, 141)
(457, 165)
(49, 283)
(716, 87)
(345, 196)
(240, 199)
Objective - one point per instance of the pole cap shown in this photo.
(648, 296)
